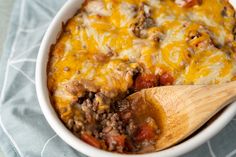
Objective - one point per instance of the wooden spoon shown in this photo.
(182, 109)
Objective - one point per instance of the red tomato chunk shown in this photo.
(145, 81)
(118, 139)
(191, 3)
(166, 79)
(90, 140)
(145, 132)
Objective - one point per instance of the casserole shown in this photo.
(51, 116)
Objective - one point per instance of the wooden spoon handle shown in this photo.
(189, 107)
(218, 96)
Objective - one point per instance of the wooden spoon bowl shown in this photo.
(181, 110)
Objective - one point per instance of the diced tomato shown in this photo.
(145, 132)
(116, 142)
(191, 3)
(120, 140)
(145, 81)
(166, 79)
(90, 140)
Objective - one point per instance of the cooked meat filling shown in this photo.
(113, 125)
(113, 48)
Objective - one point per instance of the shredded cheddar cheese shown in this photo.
(103, 45)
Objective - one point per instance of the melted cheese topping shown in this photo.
(99, 50)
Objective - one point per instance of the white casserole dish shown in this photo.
(66, 12)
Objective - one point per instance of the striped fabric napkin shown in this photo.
(24, 131)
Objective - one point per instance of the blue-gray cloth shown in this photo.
(24, 131)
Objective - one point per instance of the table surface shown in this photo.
(5, 12)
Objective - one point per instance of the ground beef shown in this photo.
(109, 125)
(143, 21)
(75, 88)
